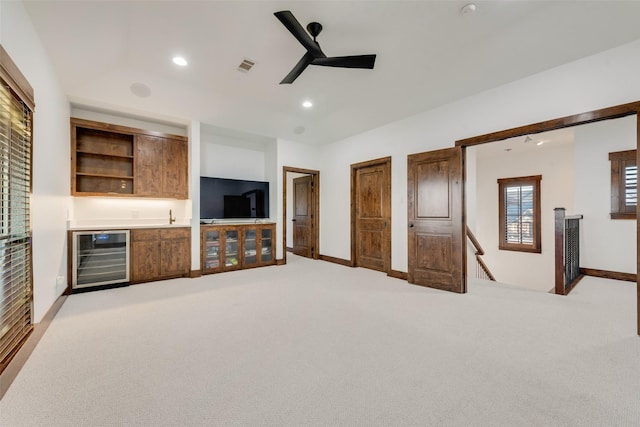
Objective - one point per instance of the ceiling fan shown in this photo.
(314, 55)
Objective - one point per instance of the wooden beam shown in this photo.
(563, 122)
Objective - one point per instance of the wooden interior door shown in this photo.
(302, 216)
(436, 224)
(371, 186)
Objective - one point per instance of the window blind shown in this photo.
(15, 227)
(631, 185)
(519, 214)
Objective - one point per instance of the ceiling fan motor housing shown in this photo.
(314, 29)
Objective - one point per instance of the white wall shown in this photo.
(86, 113)
(194, 191)
(555, 164)
(606, 79)
(271, 173)
(226, 157)
(51, 167)
(593, 143)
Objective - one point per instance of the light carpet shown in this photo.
(317, 344)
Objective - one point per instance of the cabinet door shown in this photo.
(145, 260)
(266, 246)
(173, 254)
(232, 255)
(250, 244)
(148, 166)
(175, 169)
(211, 253)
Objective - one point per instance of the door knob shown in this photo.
(293, 219)
(411, 225)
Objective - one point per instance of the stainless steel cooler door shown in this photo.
(100, 258)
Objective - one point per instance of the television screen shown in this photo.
(222, 198)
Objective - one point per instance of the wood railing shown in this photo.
(482, 271)
(567, 251)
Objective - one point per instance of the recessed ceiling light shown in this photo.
(179, 60)
(307, 104)
(540, 143)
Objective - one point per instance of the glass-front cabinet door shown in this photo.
(233, 247)
(232, 250)
(250, 247)
(211, 251)
(266, 250)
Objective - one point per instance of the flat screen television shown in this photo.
(222, 198)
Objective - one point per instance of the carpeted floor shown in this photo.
(317, 344)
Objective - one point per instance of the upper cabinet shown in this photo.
(112, 160)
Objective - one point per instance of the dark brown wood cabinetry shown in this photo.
(160, 253)
(112, 160)
(236, 246)
(161, 167)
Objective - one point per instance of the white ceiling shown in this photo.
(520, 145)
(428, 54)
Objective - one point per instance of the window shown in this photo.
(624, 184)
(519, 211)
(15, 229)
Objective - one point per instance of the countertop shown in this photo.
(100, 227)
(125, 225)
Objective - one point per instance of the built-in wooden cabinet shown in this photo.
(112, 160)
(160, 253)
(229, 247)
(161, 167)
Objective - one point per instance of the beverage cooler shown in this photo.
(100, 258)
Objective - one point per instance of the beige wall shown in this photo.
(555, 164)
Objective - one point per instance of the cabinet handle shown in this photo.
(293, 219)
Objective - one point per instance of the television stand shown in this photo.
(228, 247)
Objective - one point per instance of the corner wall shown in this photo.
(593, 143)
(50, 168)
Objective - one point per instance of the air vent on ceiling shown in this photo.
(246, 65)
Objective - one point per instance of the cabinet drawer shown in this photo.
(139, 235)
(175, 233)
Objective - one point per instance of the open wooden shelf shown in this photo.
(103, 154)
(113, 160)
(104, 175)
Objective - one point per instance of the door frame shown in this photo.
(354, 170)
(315, 221)
(614, 112)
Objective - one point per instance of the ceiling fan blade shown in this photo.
(294, 27)
(298, 68)
(356, 61)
